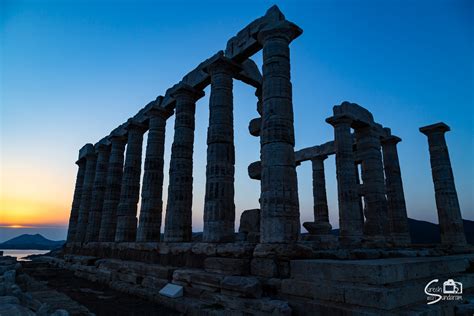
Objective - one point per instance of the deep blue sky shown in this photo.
(72, 71)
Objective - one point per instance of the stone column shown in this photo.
(98, 191)
(76, 201)
(127, 208)
(376, 226)
(152, 190)
(83, 217)
(280, 216)
(449, 212)
(178, 218)
(350, 216)
(321, 212)
(397, 210)
(219, 207)
(112, 192)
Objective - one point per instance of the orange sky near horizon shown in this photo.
(33, 195)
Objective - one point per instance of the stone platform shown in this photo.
(274, 279)
(383, 286)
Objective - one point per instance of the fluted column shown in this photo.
(321, 212)
(98, 192)
(219, 207)
(112, 192)
(152, 189)
(350, 215)
(449, 212)
(83, 217)
(397, 210)
(76, 200)
(178, 220)
(130, 192)
(376, 226)
(280, 216)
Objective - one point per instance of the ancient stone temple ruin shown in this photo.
(268, 267)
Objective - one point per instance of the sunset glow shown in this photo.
(33, 196)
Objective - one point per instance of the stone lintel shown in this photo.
(309, 153)
(86, 150)
(358, 112)
(198, 78)
(141, 116)
(340, 118)
(244, 44)
(435, 128)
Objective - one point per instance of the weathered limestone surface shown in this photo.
(378, 271)
(250, 225)
(112, 192)
(219, 207)
(152, 189)
(98, 191)
(76, 201)
(350, 215)
(178, 219)
(397, 210)
(376, 226)
(449, 212)
(127, 208)
(279, 220)
(321, 224)
(83, 217)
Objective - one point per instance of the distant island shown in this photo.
(421, 233)
(27, 241)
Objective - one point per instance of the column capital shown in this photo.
(81, 162)
(281, 29)
(86, 150)
(435, 128)
(340, 119)
(390, 140)
(222, 64)
(133, 124)
(158, 111)
(182, 89)
(102, 145)
(319, 158)
(116, 138)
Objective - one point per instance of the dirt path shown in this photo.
(98, 298)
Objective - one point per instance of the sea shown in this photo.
(20, 254)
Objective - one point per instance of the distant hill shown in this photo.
(27, 241)
(428, 233)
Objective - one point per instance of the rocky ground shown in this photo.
(34, 288)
